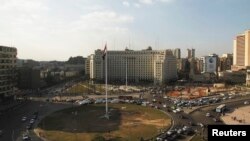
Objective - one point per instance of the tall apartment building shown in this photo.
(158, 66)
(177, 53)
(87, 65)
(191, 53)
(7, 72)
(226, 61)
(241, 55)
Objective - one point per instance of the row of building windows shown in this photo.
(5, 55)
(7, 61)
(7, 49)
(5, 89)
(6, 66)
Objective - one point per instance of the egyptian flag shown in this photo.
(104, 52)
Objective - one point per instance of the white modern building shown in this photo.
(158, 66)
(209, 64)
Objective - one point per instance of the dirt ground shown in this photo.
(238, 116)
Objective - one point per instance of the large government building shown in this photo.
(7, 72)
(158, 66)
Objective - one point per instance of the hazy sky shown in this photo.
(58, 29)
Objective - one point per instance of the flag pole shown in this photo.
(126, 74)
(106, 81)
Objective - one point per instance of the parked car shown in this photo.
(26, 137)
(24, 118)
(29, 126)
(97, 101)
(208, 114)
(32, 121)
(180, 131)
(178, 109)
(187, 130)
(246, 102)
(164, 105)
(216, 119)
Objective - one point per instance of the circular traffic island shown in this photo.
(127, 122)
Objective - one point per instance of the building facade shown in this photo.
(177, 53)
(248, 76)
(226, 61)
(28, 78)
(137, 66)
(241, 58)
(191, 53)
(209, 64)
(7, 72)
(87, 66)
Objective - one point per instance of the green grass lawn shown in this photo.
(127, 123)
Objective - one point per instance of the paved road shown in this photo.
(11, 122)
(200, 115)
(192, 119)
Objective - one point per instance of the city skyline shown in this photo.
(39, 28)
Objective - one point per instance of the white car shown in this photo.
(164, 105)
(178, 109)
(174, 111)
(201, 125)
(84, 102)
(246, 102)
(32, 121)
(26, 137)
(97, 101)
(115, 101)
(24, 118)
(208, 114)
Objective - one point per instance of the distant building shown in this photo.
(191, 53)
(158, 66)
(231, 77)
(209, 64)
(226, 61)
(28, 78)
(7, 72)
(87, 67)
(248, 76)
(177, 53)
(241, 54)
(27, 63)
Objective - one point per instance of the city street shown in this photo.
(11, 122)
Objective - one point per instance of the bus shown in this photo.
(220, 108)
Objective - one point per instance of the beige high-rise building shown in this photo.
(247, 48)
(7, 72)
(241, 55)
(158, 66)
